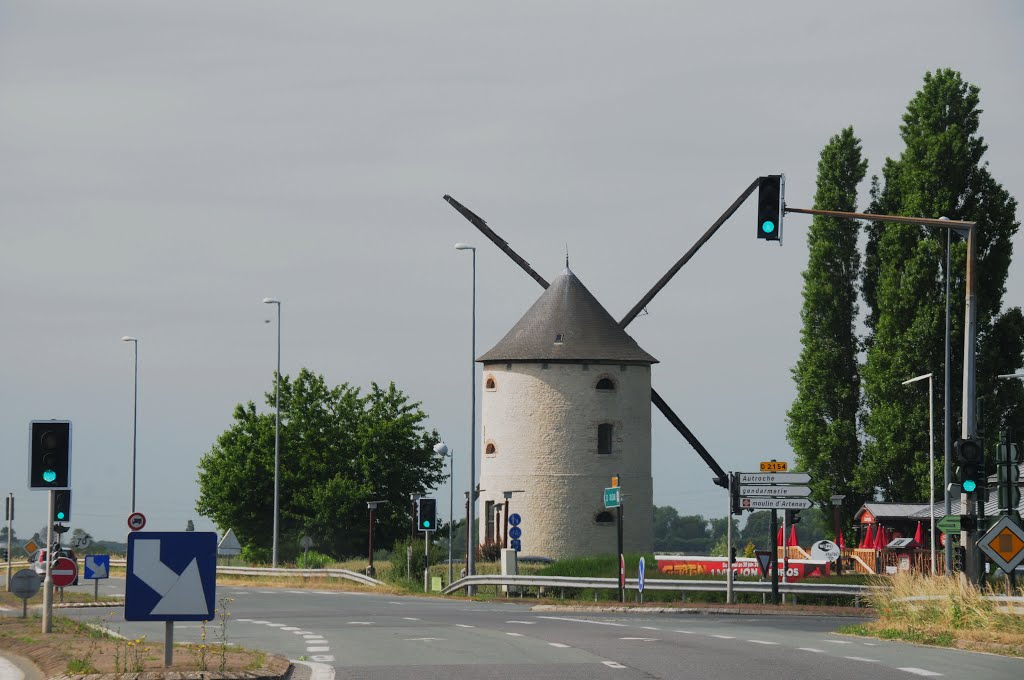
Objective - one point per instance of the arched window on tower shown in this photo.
(605, 385)
(490, 449)
(605, 431)
(490, 384)
(604, 517)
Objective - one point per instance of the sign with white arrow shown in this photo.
(171, 576)
(779, 491)
(97, 566)
(773, 477)
(775, 503)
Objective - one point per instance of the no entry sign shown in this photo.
(64, 571)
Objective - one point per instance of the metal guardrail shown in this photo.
(269, 571)
(656, 584)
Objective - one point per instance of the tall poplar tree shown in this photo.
(939, 173)
(822, 423)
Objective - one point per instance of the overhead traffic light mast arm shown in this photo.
(663, 281)
(722, 479)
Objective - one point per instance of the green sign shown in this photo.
(950, 524)
(611, 497)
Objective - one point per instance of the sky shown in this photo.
(166, 165)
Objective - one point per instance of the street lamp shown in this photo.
(135, 411)
(1010, 376)
(277, 428)
(931, 457)
(442, 449)
(471, 558)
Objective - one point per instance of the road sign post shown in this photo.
(640, 579)
(950, 524)
(25, 584)
(1004, 544)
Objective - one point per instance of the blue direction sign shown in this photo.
(611, 497)
(516, 544)
(640, 576)
(515, 532)
(172, 576)
(514, 519)
(97, 566)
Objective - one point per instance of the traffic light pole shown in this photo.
(618, 512)
(48, 578)
(773, 528)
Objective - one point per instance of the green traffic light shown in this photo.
(49, 476)
(60, 515)
(768, 226)
(970, 485)
(426, 524)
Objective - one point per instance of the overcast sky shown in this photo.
(166, 165)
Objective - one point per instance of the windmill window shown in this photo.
(490, 384)
(605, 384)
(604, 438)
(604, 517)
(490, 449)
(558, 339)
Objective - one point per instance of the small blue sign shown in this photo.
(516, 544)
(514, 519)
(515, 532)
(97, 566)
(640, 577)
(171, 576)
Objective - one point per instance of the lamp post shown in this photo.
(441, 448)
(471, 558)
(277, 429)
(135, 411)
(372, 505)
(931, 458)
(837, 504)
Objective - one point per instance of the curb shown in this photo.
(738, 611)
(277, 668)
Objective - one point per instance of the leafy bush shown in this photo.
(489, 551)
(313, 560)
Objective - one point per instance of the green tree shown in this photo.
(756, 529)
(673, 532)
(939, 173)
(339, 449)
(822, 423)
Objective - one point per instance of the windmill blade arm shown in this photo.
(663, 281)
(477, 222)
(722, 479)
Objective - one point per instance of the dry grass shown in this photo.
(944, 611)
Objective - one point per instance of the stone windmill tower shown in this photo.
(566, 405)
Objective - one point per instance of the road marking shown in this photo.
(250, 620)
(650, 628)
(598, 623)
(685, 632)
(276, 625)
(762, 642)
(312, 635)
(464, 625)
(428, 639)
(558, 644)
(290, 628)
(809, 649)
(641, 639)
(409, 618)
(320, 671)
(871, 644)
(296, 592)
(266, 622)
(839, 642)
(920, 671)
(318, 649)
(515, 634)
(610, 664)
(403, 602)
(360, 623)
(725, 637)
(324, 658)
(525, 623)
(860, 658)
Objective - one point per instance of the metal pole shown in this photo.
(10, 528)
(505, 542)
(947, 425)
(931, 463)
(48, 577)
(277, 437)
(622, 589)
(471, 561)
(728, 540)
(968, 427)
(451, 512)
(135, 419)
(426, 560)
(370, 571)
(168, 644)
(773, 528)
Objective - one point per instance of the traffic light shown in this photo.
(792, 517)
(734, 493)
(969, 472)
(49, 454)
(770, 203)
(1008, 459)
(428, 514)
(62, 505)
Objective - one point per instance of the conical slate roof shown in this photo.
(567, 323)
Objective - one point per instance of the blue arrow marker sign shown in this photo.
(514, 519)
(97, 566)
(171, 576)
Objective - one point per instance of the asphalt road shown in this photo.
(361, 635)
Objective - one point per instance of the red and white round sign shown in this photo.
(64, 571)
(136, 521)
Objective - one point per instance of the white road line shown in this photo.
(860, 658)
(250, 620)
(809, 649)
(427, 639)
(920, 671)
(640, 639)
(266, 622)
(558, 644)
(515, 634)
(650, 628)
(762, 642)
(276, 625)
(685, 632)
(464, 625)
(318, 649)
(403, 602)
(290, 628)
(360, 623)
(835, 642)
(303, 632)
(409, 618)
(313, 635)
(525, 623)
(610, 664)
(725, 637)
(598, 623)
(296, 592)
(323, 658)
(871, 644)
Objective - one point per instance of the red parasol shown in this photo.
(778, 538)
(917, 534)
(867, 541)
(841, 542)
(880, 538)
(792, 536)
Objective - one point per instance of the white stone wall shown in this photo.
(543, 424)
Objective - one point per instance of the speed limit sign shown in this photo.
(136, 521)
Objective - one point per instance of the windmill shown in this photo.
(721, 478)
